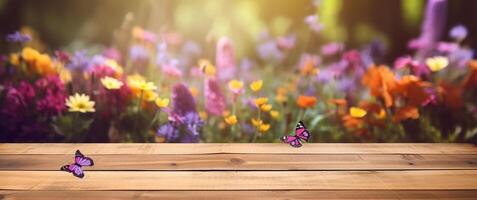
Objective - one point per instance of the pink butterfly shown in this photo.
(301, 134)
(80, 161)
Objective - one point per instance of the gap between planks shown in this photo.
(239, 195)
(244, 162)
(242, 180)
(241, 148)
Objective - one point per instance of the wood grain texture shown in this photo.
(245, 162)
(238, 195)
(245, 148)
(230, 180)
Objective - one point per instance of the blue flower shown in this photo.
(17, 37)
(169, 133)
(80, 61)
(138, 53)
(193, 124)
(458, 32)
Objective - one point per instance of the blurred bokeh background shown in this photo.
(79, 23)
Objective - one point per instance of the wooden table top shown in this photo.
(241, 171)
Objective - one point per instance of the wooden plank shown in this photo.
(245, 162)
(238, 195)
(241, 148)
(230, 180)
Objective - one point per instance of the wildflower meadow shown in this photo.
(157, 86)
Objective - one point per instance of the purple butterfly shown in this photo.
(301, 134)
(80, 161)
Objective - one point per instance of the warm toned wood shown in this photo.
(249, 148)
(253, 180)
(246, 162)
(237, 195)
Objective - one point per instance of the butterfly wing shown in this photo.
(301, 131)
(292, 141)
(74, 169)
(82, 160)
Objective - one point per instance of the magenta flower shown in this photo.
(225, 59)
(17, 99)
(52, 95)
(214, 98)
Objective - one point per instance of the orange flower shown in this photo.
(452, 95)
(308, 68)
(338, 102)
(351, 122)
(413, 89)
(471, 79)
(306, 101)
(380, 81)
(407, 112)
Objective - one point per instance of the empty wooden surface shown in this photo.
(241, 171)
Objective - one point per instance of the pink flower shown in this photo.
(214, 98)
(286, 42)
(112, 53)
(225, 59)
(171, 70)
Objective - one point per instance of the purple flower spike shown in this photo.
(17, 37)
(182, 100)
(225, 58)
(214, 98)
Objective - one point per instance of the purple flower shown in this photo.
(332, 48)
(162, 56)
(313, 23)
(326, 75)
(269, 51)
(346, 85)
(458, 32)
(461, 57)
(214, 98)
(168, 132)
(138, 53)
(432, 28)
(79, 62)
(182, 100)
(193, 125)
(447, 47)
(225, 58)
(17, 37)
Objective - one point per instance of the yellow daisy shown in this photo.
(111, 83)
(80, 103)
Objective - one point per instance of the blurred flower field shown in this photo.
(160, 87)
